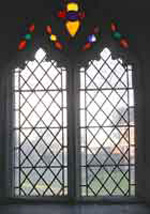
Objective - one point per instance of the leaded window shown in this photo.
(106, 128)
(40, 129)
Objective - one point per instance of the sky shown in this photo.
(85, 80)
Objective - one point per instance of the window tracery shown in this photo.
(72, 18)
(95, 36)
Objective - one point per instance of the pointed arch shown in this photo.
(40, 128)
(107, 127)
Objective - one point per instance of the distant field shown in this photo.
(93, 183)
(96, 183)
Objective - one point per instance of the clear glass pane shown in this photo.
(131, 97)
(83, 176)
(105, 134)
(132, 155)
(41, 129)
(132, 175)
(40, 54)
(132, 136)
(130, 79)
(132, 190)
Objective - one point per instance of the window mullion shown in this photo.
(73, 172)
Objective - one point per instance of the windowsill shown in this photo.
(65, 200)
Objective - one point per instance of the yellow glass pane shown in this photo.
(73, 27)
(72, 7)
(53, 38)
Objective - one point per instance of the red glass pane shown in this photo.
(49, 29)
(86, 46)
(124, 43)
(58, 45)
(113, 27)
(61, 14)
(31, 28)
(22, 45)
(82, 15)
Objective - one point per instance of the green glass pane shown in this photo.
(117, 35)
(28, 36)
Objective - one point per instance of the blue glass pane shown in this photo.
(72, 16)
(92, 38)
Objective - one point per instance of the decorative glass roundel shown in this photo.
(72, 17)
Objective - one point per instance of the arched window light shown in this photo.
(107, 141)
(40, 128)
(106, 128)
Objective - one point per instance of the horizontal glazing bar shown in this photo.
(105, 165)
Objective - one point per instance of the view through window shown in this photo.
(40, 129)
(107, 142)
(107, 128)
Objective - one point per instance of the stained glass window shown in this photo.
(105, 111)
(106, 129)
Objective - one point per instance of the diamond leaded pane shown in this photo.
(107, 128)
(40, 129)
